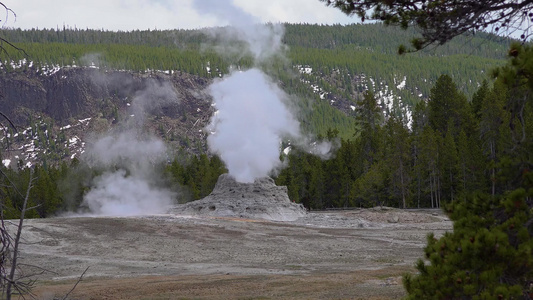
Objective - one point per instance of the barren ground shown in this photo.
(359, 254)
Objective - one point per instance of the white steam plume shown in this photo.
(249, 124)
(263, 41)
(129, 184)
(252, 114)
(119, 194)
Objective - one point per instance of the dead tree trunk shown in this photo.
(11, 281)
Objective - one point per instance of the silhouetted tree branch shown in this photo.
(3, 41)
(440, 21)
(76, 284)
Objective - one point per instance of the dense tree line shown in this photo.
(388, 70)
(352, 49)
(385, 40)
(198, 175)
(121, 57)
(452, 148)
(375, 36)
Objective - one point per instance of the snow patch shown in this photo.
(6, 162)
(287, 150)
(401, 86)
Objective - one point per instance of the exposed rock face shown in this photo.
(66, 108)
(85, 92)
(259, 200)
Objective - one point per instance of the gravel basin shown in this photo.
(356, 254)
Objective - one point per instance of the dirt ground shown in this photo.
(358, 254)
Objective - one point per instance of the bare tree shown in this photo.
(12, 278)
(12, 281)
(6, 241)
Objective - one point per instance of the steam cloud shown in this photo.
(129, 184)
(263, 41)
(249, 124)
(252, 115)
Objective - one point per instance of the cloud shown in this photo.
(109, 14)
(295, 11)
(161, 14)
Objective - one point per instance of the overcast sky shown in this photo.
(159, 14)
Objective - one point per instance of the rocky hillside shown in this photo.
(56, 112)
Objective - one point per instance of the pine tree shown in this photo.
(369, 118)
(317, 184)
(494, 132)
(478, 99)
(419, 123)
(427, 167)
(489, 254)
(370, 188)
(448, 165)
(398, 159)
(448, 104)
(471, 164)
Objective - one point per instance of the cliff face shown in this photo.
(174, 106)
(78, 92)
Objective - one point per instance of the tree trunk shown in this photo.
(493, 171)
(402, 184)
(431, 190)
(11, 278)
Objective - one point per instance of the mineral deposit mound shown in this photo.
(261, 199)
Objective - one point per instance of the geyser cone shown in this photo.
(261, 199)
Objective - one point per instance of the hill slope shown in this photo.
(329, 68)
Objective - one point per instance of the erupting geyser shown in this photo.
(251, 119)
(246, 132)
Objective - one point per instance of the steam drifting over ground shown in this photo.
(129, 184)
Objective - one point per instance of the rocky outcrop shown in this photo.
(50, 107)
(84, 92)
(261, 199)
